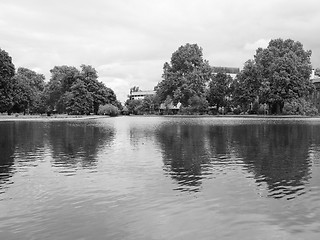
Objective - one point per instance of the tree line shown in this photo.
(276, 81)
(69, 90)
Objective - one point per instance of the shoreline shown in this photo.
(57, 117)
(65, 117)
(246, 116)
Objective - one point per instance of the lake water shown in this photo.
(160, 178)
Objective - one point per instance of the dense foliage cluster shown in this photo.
(278, 76)
(186, 76)
(69, 90)
(275, 81)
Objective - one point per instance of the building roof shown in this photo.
(316, 79)
(139, 93)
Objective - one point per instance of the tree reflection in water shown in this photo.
(276, 155)
(7, 148)
(70, 144)
(75, 145)
(20, 142)
(184, 154)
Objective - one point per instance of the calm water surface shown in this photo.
(160, 178)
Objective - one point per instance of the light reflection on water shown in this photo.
(160, 178)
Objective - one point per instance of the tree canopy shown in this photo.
(186, 75)
(28, 87)
(284, 69)
(77, 91)
(7, 71)
(219, 90)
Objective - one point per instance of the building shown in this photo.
(316, 95)
(231, 71)
(141, 94)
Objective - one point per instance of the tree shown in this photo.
(118, 104)
(150, 104)
(28, 86)
(198, 104)
(7, 71)
(108, 109)
(247, 86)
(22, 94)
(63, 82)
(186, 75)
(134, 89)
(219, 90)
(62, 78)
(284, 69)
(134, 106)
(100, 93)
(40, 103)
(79, 100)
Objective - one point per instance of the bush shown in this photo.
(237, 110)
(299, 107)
(255, 107)
(261, 110)
(108, 109)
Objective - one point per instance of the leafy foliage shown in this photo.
(278, 73)
(284, 70)
(299, 107)
(134, 106)
(197, 105)
(185, 76)
(246, 88)
(108, 109)
(7, 71)
(28, 87)
(219, 90)
(79, 100)
(67, 82)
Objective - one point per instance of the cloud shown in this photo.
(261, 43)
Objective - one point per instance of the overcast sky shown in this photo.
(128, 41)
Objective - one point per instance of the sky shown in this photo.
(128, 41)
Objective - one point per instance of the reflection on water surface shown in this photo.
(160, 178)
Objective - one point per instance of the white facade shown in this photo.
(141, 94)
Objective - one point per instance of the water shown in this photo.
(160, 178)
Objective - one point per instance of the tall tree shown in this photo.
(28, 87)
(67, 82)
(284, 69)
(219, 90)
(62, 78)
(7, 71)
(100, 93)
(186, 75)
(247, 86)
(79, 100)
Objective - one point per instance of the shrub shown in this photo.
(299, 107)
(108, 109)
(261, 110)
(237, 110)
(255, 107)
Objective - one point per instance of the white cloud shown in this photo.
(261, 43)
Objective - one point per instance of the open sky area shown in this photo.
(128, 41)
